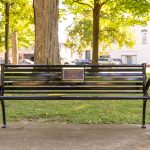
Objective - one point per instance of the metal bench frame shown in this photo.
(4, 96)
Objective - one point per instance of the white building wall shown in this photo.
(140, 51)
(64, 52)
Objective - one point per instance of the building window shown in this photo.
(87, 54)
(129, 59)
(144, 36)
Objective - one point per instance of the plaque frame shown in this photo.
(73, 74)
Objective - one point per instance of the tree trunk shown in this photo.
(96, 12)
(6, 33)
(46, 32)
(14, 49)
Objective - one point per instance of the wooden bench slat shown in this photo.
(74, 97)
(71, 92)
(113, 74)
(71, 88)
(57, 83)
(114, 79)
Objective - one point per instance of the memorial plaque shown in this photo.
(73, 74)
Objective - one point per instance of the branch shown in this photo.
(106, 30)
(2, 1)
(103, 3)
(77, 1)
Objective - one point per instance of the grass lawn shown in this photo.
(77, 112)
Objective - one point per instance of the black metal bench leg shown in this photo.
(3, 113)
(144, 114)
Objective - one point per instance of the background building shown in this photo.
(140, 53)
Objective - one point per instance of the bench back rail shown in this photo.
(60, 80)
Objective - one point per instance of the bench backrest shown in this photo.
(74, 79)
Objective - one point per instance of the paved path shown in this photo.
(45, 136)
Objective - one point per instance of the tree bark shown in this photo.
(46, 32)
(6, 33)
(14, 49)
(96, 17)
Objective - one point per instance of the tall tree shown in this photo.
(110, 16)
(20, 22)
(6, 32)
(96, 17)
(46, 32)
(22, 30)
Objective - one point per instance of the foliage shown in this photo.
(2, 32)
(116, 19)
(21, 21)
(79, 35)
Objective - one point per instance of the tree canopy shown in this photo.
(97, 23)
(115, 18)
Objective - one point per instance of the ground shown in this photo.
(38, 135)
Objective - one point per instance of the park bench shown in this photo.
(74, 82)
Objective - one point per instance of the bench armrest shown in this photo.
(147, 84)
